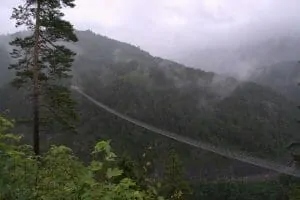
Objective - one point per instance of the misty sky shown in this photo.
(162, 26)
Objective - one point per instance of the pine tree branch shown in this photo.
(50, 42)
(52, 111)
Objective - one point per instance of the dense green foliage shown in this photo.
(58, 174)
(239, 191)
(174, 185)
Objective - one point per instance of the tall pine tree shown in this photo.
(174, 186)
(42, 62)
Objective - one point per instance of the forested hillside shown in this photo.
(5, 75)
(84, 116)
(282, 77)
(198, 104)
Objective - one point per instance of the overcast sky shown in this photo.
(161, 26)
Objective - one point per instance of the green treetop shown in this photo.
(42, 62)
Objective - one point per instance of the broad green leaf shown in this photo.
(113, 172)
(96, 166)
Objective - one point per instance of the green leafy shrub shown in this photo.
(59, 174)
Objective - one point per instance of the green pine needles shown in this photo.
(43, 64)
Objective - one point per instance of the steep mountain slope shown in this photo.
(191, 102)
(238, 118)
(5, 74)
(282, 77)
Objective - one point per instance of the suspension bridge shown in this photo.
(240, 156)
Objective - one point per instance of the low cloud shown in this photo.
(169, 28)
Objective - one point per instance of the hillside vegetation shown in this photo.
(191, 102)
(282, 77)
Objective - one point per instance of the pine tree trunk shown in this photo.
(36, 111)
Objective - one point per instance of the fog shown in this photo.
(216, 35)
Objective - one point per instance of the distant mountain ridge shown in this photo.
(283, 77)
(239, 60)
(202, 105)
